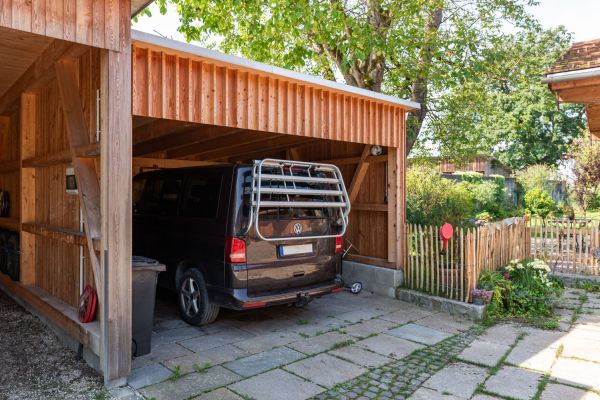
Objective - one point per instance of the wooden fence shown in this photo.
(455, 272)
(567, 246)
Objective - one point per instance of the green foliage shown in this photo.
(523, 290)
(488, 195)
(433, 200)
(536, 176)
(588, 286)
(586, 168)
(484, 216)
(477, 84)
(539, 203)
(568, 212)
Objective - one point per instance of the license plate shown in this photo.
(294, 250)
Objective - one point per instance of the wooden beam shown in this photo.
(393, 216)
(370, 207)
(27, 135)
(85, 170)
(90, 150)
(359, 174)
(266, 150)
(63, 235)
(160, 163)
(10, 166)
(180, 139)
(355, 160)
(206, 148)
(380, 262)
(294, 154)
(116, 161)
(12, 224)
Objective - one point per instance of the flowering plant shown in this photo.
(484, 295)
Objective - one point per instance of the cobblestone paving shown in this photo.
(400, 379)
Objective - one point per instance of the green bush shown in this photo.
(484, 216)
(539, 203)
(434, 200)
(536, 177)
(489, 195)
(568, 212)
(523, 289)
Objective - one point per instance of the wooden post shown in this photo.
(27, 150)
(115, 159)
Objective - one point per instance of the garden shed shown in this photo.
(575, 78)
(82, 96)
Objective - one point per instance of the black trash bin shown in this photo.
(145, 274)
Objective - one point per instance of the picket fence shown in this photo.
(455, 272)
(567, 246)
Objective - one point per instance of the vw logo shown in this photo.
(297, 229)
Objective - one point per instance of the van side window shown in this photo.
(170, 195)
(148, 201)
(202, 197)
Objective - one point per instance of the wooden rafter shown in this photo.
(206, 148)
(180, 139)
(266, 149)
(359, 174)
(85, 169)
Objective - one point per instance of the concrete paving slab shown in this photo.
(367, 328)
(458, 379)
(540, 361)
(176, 335)
(390, 346)
(271, 385)
(485, 397)
(485, 353)
(360, 356)
(429, 394)
(261, 362)
(578, 372)
(220, 355)
(267, 341)
(585, 349)
(148, 375)
(190, 385)
(325, 370)
(406, 314)
(538, 339)
(419, 333)
(359, 315)
(562, 392)
(320, 343)
(219, 394)
(159, 354)
(191, 363)
(504, 334)
(218, 339)
(446, 323)
(516, 383)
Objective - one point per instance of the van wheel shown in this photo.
(194, 305)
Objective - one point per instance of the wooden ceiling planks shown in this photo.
(175, 85)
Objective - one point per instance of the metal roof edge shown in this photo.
(572, 75)
(243, 62)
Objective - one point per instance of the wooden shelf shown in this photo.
(64, 235)
(10, 223)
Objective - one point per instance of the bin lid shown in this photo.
(144, 263)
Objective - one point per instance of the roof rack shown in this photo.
(278, 184)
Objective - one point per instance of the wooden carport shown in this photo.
(72, 84)
(575, 78)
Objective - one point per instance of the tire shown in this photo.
(3, 253)
(13, 266)
(192, 295)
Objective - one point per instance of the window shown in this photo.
(202, 197)
(156, 195)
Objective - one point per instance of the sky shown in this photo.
(580, 17)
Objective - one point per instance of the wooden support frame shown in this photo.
(359, 174)
(116, 207)
(28, 198)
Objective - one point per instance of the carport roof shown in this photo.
(266, 68)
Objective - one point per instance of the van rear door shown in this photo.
(295, 218)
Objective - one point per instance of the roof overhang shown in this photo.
(139, 5)
(266, 68)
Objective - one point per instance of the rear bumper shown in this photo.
(238, 299)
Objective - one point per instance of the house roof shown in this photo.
(580, 56)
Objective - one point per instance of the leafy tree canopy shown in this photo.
(477, 85)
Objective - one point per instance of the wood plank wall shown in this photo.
(98, 23)
(57, 266)
(179, 86)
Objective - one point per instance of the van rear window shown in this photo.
(274, 213)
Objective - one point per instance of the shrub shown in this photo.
(523, 289)
(434, 200)
(568, 212)
(484, 216)
(538, 202)
(536, 177)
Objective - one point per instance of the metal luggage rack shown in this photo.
(292, 179)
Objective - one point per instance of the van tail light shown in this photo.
(338, 244)
(235, 250)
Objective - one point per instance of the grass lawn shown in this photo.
(595, 214)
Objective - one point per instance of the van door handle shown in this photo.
(298, 274)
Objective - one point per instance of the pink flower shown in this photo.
(507, 276)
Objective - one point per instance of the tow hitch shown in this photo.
(303, 299)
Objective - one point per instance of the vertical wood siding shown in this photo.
(179, 86)
(98, 23)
